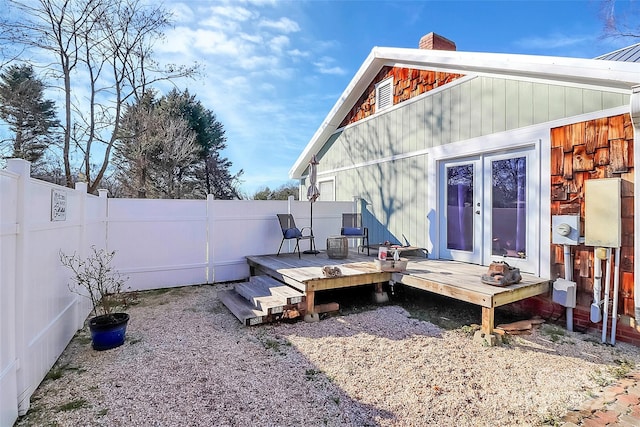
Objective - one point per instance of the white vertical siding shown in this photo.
(465, 109)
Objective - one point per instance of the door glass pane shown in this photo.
(509, 207)
(460, 207)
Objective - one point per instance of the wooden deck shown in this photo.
(450, 278)
(462, 281)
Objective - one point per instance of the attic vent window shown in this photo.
(384, 94)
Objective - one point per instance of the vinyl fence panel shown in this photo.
(8, 359)
(158, 244)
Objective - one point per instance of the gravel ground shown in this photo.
(187, 361)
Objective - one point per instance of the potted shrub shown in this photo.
(93, 277)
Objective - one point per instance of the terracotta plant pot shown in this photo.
(108, 330)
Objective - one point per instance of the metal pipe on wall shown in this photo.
(616, 286)
(568, 275)
(634, 102)
(596, 315)
(607, 289)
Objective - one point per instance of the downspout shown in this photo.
(635, 120)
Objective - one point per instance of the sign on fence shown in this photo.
(58, 205)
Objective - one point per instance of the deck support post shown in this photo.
(488, 319)
(380, 295)
(311, 316)
(485, 335)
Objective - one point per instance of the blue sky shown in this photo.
(274, 69)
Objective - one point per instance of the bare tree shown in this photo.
(155, 153)
(101, 52)
(212, 174)
(138, 143)
(178, 153)
(8, 52)
(617, 24)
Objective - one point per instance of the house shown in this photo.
(472, 155)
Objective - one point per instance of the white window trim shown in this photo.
(381, 86)
(332, 180)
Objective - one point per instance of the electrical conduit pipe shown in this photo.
(597, 287)
(634, 107)
(568, 275)
(607, 289)
(616, 285)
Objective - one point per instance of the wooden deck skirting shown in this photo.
(449, 278)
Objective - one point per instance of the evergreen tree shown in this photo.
(31, 118)
(212, 172)
(170, 148)
(281, 193)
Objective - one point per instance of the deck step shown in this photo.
(260, 298)
(263, 299)
(244, 310)
(273, 287)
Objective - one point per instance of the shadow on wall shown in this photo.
(378, 232)
(392, 183)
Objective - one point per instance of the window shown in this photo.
(327, 190)
(384, 94)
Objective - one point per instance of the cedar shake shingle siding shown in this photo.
(601, 148)
(407, 83)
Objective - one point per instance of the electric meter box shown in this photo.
(602, 212)
(565, 229)
(564, 293)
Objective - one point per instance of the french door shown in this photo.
(488, 208)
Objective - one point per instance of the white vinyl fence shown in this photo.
(159, 243)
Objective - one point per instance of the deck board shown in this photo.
(241, 308)
(462, 281)
(449, 278)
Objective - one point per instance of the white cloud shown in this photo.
(282, 73)
(338, 71)
(258, 62)
(181, 12)
(253, 38)
(279, 43)
(284, 25)
(325, 66)
(203, 42)
(297, 53)
(221, 23)
(240, 14)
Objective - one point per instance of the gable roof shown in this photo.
(626, 54)
(606, 74)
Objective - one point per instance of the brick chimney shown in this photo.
(433, 41)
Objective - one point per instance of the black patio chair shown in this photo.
(352, 228)
(290, 231)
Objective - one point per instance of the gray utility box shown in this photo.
(602, 216)
(564, 293)
(565, 229)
